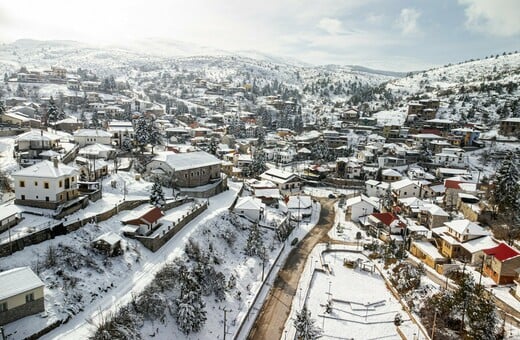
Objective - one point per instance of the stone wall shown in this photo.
(33, 307)
(212, 191)
(154, 243)
(64, 228)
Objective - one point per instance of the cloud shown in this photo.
(497, 17)
(330, 25)
(407, 21)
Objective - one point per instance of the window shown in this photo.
(35, 183)
(47, 198)
(22, 184)
(3, 307)
(46, 185)
(23, 197)
(60, 184)
(29, 297)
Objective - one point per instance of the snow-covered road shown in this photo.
(84, 324)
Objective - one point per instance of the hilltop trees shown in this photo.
(52, 111)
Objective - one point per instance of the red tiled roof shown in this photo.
(149, 217)
(502, 252)
(387, 218)
(450, 184)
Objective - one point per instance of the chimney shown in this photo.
(55, 162)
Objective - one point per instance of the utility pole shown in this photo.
(433, 326)
(225, 320)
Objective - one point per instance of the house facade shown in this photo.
(188, 169)
(46, 184)
(501, 263)
(92, 136)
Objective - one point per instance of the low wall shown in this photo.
(28, 308)
(154, 243)
(212, 191)
(64, 228)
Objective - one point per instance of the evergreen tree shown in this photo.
(52, 111)
(506, 195)
(257, 166)
(94, 120)
(157, 195)
(190, 312)
(2, 107)
(142, 132)
(155, 135)
(212, 146)
(255, 243)
(306, 328)
(389, 198)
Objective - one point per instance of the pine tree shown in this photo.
(389, 198)
(2, 107)
(157, 195)
(142, 133)
(190, 312)
(155, 135)
(52, 111)
(212, 146)
(305, 326)
(257, 166)
(254, 244)
(506, 195)
(94, 120)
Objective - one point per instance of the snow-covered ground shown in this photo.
(365, 310)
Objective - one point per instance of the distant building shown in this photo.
(92, 136)
(510, 127)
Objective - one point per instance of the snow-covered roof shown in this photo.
(47, 169)
(92, 133)
(271, 193)
(188, 160)
(277, 176)
(249, 203)
(466, 227)
(479, 244)
(391, 172)
(8, 211)
(17, 281)
(109, 237)
(299, 202)
(37, 135)
(428, 249)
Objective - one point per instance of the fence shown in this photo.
(154, 243)
(255, 300)
(63, 228)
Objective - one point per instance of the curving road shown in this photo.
(271, 319)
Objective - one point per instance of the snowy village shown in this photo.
(216, 195)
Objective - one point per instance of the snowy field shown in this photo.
(362, 306)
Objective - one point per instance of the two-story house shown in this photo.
(46, 184)
(92, 136)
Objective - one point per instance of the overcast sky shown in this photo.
(394, 35)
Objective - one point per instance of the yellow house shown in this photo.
(21, 294)
(427, 253)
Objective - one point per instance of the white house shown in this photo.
(407, 188)
(120, 131)
(450, 157)
(46, 184)
(250, 207)
(299, 206)
(286, 182)
(359, 206)
(90, 136)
